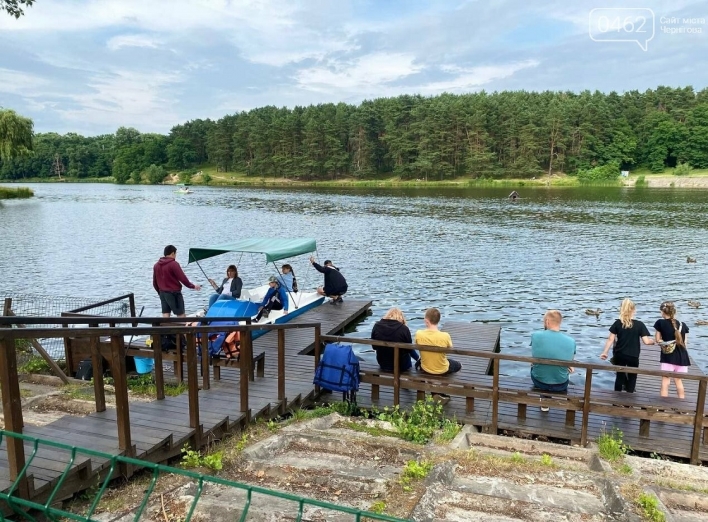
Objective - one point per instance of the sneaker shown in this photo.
(545, 408)
(333, 301)
(339, 300)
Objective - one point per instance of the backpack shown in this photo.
(294, 284)
(169, 342)
(338, 370)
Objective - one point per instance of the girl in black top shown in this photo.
(668, 328)
(625, 334)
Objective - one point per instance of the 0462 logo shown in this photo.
(622, 24)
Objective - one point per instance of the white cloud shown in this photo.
(468, 79)
(18, 82)
(132, 40)
(360, 75)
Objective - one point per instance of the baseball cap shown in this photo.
(272, 279)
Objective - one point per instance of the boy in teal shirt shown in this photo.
(551, 343)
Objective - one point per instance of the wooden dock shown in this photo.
(160, 428)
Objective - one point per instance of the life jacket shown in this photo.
(338, 369)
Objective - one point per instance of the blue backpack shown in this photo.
(338, 370)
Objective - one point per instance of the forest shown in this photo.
(496, 135)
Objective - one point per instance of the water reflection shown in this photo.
(471, 252)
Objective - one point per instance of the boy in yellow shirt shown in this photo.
(435, 363)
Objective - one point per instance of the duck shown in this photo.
(595, 312)
(701, 322)
(690, 259)
(694, 304)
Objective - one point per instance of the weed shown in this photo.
(145, 385)
(650, 504)
(655, 456)
(191, 458)
(78, 391)
(517, 458)
(35, 364)
(273, 426)
(611, 445)
(194, 459)
(374, 431)
(625, 469)
(546, 460)
(641, 181)
(242, 443)
(418, 425)
(450, 429)
(378, 507)
(413, 472)
(299, 415)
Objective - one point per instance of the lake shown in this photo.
(471, 252)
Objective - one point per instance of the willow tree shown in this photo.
(14, 7)
(15, 135)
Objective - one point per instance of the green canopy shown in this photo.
(273, 248)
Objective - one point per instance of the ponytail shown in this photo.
(670, 309)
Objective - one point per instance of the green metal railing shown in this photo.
(26, 508)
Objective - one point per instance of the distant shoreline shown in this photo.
(650, 181)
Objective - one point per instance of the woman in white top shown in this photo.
(230, 288)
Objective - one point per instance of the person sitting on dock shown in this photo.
(435, 363)
(335, 286)
(287, 278)
(275, 299)
(230, 287)
(392, 328)
(551, 343)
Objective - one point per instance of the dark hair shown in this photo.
(293, 273)
(233, 267)
(169, 250)
(669, 308)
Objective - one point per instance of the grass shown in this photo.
(681, 486)
(611, 445)
(650, 505)
(414, 471)
(15, 193)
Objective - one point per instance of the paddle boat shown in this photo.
(274, 249)
(183, 189)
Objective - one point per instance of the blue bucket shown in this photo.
(144, 364)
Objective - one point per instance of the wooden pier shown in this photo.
(481, 395)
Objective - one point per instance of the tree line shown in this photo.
(481, 135)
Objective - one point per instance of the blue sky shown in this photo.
(90, 66)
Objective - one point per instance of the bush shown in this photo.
(611, 445)
(682, 169)
(609, 172)
(206, 178)
(155, 174)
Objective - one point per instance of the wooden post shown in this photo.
(131, 302)
(282, 401)
(159, 371)
(495, 396)
(192, 381)
(99, 393)
(120, 383)
(586, 408)
(205, 360)
(318, 348)
(396, 376)
(12, 413)
(698, 423)
(245, 360)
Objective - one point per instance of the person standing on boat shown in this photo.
(230, 287)
(551, 343)
(167, 279)
(335, 286)
(275, 299)
(625, 334)
(287, 278)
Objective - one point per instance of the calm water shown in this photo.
(472, 253)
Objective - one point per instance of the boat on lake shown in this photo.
(274, 249)
(183, 189)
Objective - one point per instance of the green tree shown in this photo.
(155, 174)
(15, 135)
(15, 7)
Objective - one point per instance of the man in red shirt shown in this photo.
(167, 279)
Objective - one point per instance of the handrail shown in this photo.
(129, 296)
(496, 358)
(509, 357)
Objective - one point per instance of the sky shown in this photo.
(91, 66)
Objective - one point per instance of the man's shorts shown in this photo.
(172, 302)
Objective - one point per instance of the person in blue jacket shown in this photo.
(275, 299)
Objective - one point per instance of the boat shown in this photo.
(183, 189)
(274, 249)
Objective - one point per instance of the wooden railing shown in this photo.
(586, 397)
(94, 330)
